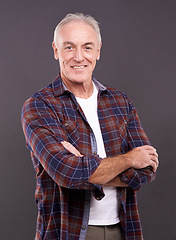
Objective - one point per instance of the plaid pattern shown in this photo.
(52, 115)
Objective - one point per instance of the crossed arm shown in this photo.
(108, 171)
(44, 136)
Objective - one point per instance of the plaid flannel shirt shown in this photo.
(62, 190)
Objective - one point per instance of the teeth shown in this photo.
(78, 67)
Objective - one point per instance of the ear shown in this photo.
(98, 52)
(55, 51)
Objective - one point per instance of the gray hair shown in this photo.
(79, 17)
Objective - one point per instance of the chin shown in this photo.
(79, 78)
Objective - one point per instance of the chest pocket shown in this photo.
(71, 129)
(122, 127)
(114, 135)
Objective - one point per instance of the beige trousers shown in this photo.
(111, 232)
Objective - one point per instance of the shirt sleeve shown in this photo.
(43, 132)
(136, 137)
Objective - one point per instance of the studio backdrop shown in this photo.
(138, 57)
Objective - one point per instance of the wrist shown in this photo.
(128, 160)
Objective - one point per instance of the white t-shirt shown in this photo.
(105, 211)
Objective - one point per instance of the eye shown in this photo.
(68, 48)
(87, 48)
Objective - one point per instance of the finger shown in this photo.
(68, 145)
(149, 148)
(156, 161)
(153, 153)
(154, 158)
(155, 164)
(65, 144)
(146, 147)
(71, 148)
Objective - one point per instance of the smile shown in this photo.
(79, 67)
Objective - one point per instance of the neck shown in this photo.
(81, 90)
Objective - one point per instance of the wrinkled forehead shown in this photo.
(77, 31)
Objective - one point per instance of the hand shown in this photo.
(142, 157)
(71, 148)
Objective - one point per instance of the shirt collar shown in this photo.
(59, 87)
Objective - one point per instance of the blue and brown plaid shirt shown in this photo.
(62, 191)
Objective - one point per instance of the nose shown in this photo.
(78, 55)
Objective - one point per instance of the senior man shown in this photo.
(88, 147)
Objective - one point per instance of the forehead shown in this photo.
(77, 32)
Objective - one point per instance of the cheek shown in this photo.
(65, 57)
(91, 58)
(94, 60)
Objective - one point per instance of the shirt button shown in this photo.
(83, 227)
(66, 124)
(98, 198)
(95, 152)
(125, 122)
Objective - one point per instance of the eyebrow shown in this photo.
(89, 43)
(71, 43)
(67, 42)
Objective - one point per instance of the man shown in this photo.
(87, 145)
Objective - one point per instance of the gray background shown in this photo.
(138, 57)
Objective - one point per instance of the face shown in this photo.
(77, 50)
